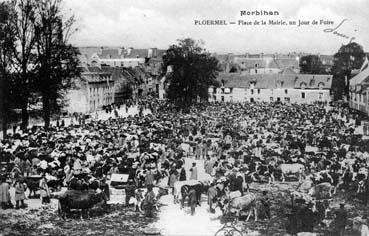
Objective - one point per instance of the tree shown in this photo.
(348, 57)
(23, 51)
(311, 64)
(7, 42)
(57, 60)
(193, 70)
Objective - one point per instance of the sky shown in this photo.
(159, 23)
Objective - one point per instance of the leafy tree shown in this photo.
(23, 51)
(193, 70)
(7, 42)
(311, 64)
(57, 60)
(348, 57)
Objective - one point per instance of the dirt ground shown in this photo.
(171, 220)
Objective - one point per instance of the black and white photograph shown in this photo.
(184, 118)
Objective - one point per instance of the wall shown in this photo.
(99, 95)
(90, 97)
(267, 95)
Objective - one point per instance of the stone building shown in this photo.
(92, 91)
(282, 87)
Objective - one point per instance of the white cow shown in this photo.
(294, 168)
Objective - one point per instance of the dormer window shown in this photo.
(321, 85)
(303, 85)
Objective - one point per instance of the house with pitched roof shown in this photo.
(359, 89)
(282, 87)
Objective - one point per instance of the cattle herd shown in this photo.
(241, 146)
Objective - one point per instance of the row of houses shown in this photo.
(113, 75)
(283, 87)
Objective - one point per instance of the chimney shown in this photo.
(129, 50)
(120, 51)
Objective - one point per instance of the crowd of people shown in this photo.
(239, 142)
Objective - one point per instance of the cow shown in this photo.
(247, 203)
(81, 200)
(199, 188)
(294, 168)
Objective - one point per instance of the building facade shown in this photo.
(285, 88)
(92, 91)
(359, 90)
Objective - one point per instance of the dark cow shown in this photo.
(80, 200)
(200, 188)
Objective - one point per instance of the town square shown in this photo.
(115, 122)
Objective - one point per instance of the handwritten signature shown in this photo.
(335, 32)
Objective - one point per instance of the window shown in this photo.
(287, 100)
(258, 91)
(271, 99)
(320, 95)
(251, 99)
(214, 90)
(278, 99)
(303, 95)
(252, 91)
(286, 91)
(230, 90)
(321, 85)
(222, 90)
(222, 98)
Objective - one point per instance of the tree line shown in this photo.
(37, 62)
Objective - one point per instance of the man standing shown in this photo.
(130, 191)
(182, 175)
(340, 220)
(193, 171)
(209, 164)
(212, 193)
(149, 178)
(44, 190)
(149, 202)
(173, 179)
